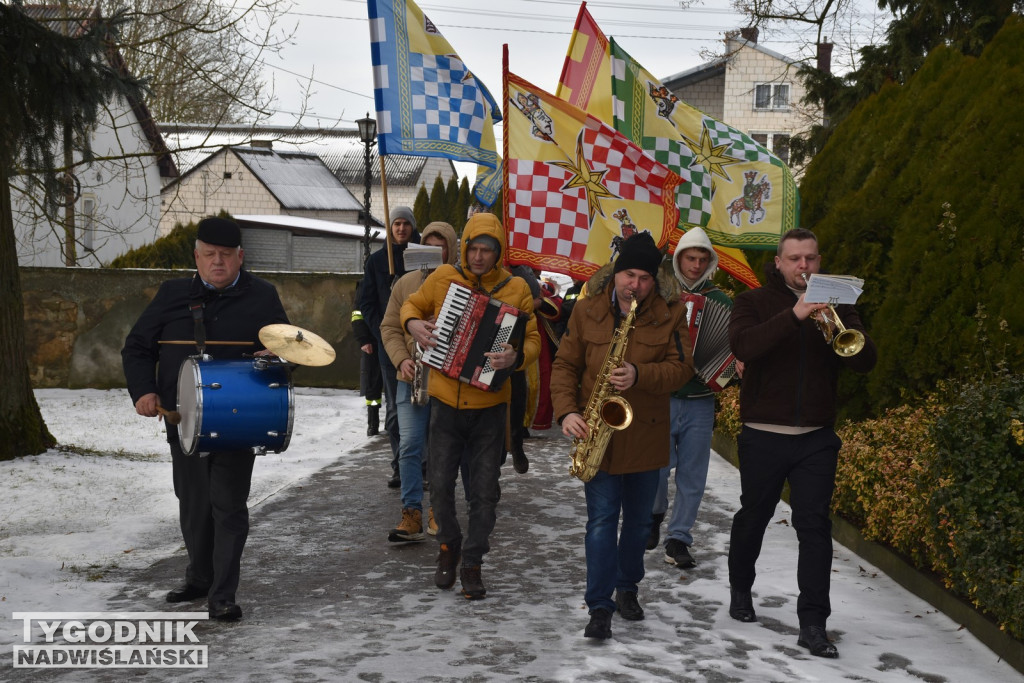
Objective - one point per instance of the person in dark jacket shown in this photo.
(212, 489)
(370, 381)
(373, 302)
(788, 409)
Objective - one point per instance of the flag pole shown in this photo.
(504, 146)
(387, 215)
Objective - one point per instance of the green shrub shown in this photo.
(174, 250)
(977, 530)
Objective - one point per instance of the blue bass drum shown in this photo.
(234, 405)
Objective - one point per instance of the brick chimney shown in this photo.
(749, 34)
(825, 57)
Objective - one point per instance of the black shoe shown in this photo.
(816, 640)
(187, 593)
(741, 607)
(372, 420)
(472, 584)
(629, 606)
(655, 537)
(677, 553)
(519, 461)
(395, 482)
(225, 610)
(600, 626)
(447, 561)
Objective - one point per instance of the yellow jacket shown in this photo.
(427, 300)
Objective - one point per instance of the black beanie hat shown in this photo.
(220, 231)
(639, 252)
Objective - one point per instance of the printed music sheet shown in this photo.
(833, 289)
(422, 256)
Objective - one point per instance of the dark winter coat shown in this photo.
(791, 374)
(234, 314)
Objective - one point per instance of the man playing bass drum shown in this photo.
(211, 489)
(657, 361)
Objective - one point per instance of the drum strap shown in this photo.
(196, 308)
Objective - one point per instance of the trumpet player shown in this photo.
(655, 363)
(413, 416)
(788, 409)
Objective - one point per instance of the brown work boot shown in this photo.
(431, 524)
(409, 529)
(472, 584)
(447, 561)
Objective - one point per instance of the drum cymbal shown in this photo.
(296, 345)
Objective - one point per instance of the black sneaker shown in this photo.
(395, 482)
(600, 626)
(447, 561)
(677, 553)
(629, 607)
(472, 584)
(655, 537)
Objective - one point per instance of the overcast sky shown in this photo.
(332, 44)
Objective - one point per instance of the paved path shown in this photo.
(327, 598)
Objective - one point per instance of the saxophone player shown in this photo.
(656, 362)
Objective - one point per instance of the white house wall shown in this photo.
(222, 183)
(707, 95)
(279, 249)
(122, 186)
(748, 67)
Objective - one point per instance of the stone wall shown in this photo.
(76, 320)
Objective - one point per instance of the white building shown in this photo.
(117, 205)
(751, 88)
(340, 149)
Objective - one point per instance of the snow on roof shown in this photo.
(303, 224)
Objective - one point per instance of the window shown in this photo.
(771, 96)
(88, 221)
(776, 143)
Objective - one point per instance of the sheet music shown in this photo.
(418, 256)
(833, 289)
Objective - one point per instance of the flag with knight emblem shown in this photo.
(428, 102)
(576, 187)
(600, 77)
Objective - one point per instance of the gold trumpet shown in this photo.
(844, 341)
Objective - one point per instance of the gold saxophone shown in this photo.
(606, 410)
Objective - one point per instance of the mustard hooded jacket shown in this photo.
(498, 283)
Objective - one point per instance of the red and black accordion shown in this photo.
(470, 324)
(709, 333)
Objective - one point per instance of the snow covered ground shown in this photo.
(77, 522)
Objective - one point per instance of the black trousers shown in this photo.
(212, 491)
(808, 463)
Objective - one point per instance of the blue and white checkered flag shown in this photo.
(428, 102)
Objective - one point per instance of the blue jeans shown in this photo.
(615, 561)
(412, 426)
(693, 420)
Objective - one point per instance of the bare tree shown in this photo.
(203, 59)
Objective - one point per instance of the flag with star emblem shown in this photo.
(600, 83)
(428, 102)
(575, 186)
(753, 198)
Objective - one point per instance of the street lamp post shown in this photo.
(368, 134)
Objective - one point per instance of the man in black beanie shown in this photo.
(221, 302)
(657, 361)
(373, 302)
